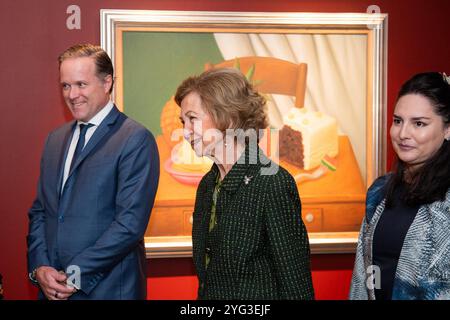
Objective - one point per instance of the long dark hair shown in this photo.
(430, 182)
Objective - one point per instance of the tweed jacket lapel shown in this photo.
(202, 230)
(368, 239)
(424, 259)
(246, 167)
(243, 170)
(210, 181)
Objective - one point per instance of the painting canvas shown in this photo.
(319, 88)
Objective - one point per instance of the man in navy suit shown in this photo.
(98, 180)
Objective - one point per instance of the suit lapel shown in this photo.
(104, 128)
(67, 138)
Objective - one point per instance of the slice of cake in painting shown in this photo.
(307, 137)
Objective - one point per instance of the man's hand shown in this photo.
(53, 283)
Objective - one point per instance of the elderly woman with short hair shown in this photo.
(249, 241)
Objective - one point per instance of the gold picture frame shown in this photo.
(326, 218)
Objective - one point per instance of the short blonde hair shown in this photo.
(228, 98)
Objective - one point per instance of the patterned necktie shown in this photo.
(80, 143)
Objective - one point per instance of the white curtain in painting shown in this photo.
(336, 79)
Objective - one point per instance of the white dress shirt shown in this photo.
(95, 121)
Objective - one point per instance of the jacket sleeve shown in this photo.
(358, 287)
(288, 239)
(37, 246)
(375, 194)
(138, 175)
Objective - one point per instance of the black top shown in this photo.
(388, 240)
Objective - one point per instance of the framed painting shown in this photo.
(324, 79)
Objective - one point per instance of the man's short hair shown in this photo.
(102, 61)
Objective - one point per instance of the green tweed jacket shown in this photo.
(259, 248)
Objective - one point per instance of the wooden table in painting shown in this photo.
(331, 203)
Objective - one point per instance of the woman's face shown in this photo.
(417, 132)
(199, 128)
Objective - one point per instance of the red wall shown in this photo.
(33, 33)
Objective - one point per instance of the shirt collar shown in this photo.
(101, 115)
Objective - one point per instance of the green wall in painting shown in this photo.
(155, 63)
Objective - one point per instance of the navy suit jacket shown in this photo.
(98, 221)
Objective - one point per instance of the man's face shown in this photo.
(85, 94)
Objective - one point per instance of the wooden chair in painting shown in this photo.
(272, 75)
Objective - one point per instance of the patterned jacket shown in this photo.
(423, 270)
(259, 248)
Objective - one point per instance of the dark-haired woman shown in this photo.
(404, 246)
